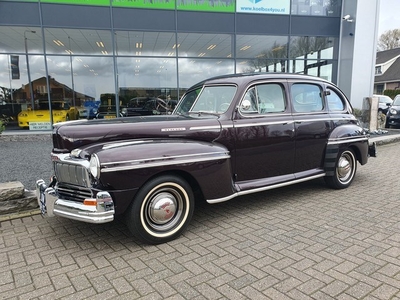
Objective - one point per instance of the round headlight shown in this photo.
(94, 166)
(393, 111)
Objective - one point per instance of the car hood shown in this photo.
(80, 134)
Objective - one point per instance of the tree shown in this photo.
(390, 39)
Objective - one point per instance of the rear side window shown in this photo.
(335, 102)
(307, 97)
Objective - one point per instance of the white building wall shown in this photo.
(358, 49)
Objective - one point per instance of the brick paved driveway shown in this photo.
(301, 242)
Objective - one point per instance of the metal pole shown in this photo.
(72, 71)
(27, 66)
(9, 76)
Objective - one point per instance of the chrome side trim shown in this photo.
(266, 188)
(211, 127)
(344, 140)
(205, 127)
(264, 123)
(324, 119)
(122, 144)
(162, 161)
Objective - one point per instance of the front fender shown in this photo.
(343, 137)
(129, 164)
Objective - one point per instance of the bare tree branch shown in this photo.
(390, 39)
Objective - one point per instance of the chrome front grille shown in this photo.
(73, 193)
(72, 173)
(73, 181)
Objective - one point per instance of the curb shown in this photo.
(382, 140)
(20, 214)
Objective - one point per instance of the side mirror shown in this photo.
(245, 105)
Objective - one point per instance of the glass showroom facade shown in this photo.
(81, 50)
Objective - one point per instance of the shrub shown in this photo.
(391, 93)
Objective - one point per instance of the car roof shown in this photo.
(243, 78)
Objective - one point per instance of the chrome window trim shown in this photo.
(289, 121)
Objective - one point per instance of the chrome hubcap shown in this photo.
(345, 167)
(162, 208)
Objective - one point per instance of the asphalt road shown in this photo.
(26, 160)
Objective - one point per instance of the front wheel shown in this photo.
(161, 210)
(345, 170)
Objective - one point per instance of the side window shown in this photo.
(335, 102)
(270, 98)
(263, 99)
(307, 97)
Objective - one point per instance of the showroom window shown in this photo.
(201, 56)
(140, 43)
(65, 41)
(312, 55)
(257, 53)
(329, 8)
(146, 77)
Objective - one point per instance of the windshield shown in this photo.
(210, 99)
(396, 101)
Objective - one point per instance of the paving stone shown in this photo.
(300, 242)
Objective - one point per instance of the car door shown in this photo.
(312, 127)
(264, 133)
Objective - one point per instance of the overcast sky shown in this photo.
(389, 15)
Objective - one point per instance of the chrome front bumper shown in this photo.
(98, 210)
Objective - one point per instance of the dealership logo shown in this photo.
(255, 1)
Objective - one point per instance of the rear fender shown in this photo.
(344, 137)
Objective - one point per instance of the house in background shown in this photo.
(387, 71)
(58, 91)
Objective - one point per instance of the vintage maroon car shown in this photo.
(228, 136)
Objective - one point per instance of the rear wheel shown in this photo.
(161, 210)
(345, 170)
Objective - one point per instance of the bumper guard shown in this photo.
(98, 210)
(372, 150)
